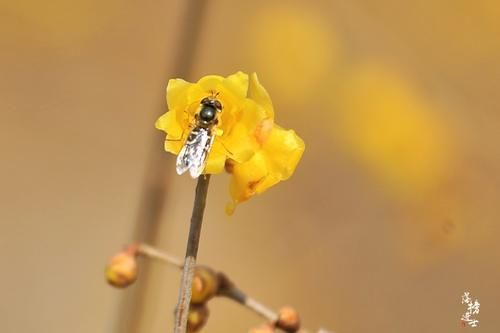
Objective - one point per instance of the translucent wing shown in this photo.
(193, 156)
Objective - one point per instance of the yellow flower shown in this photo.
(277, 159)
(253, 149)
(393, 131)
(283, 62)
(240, 116)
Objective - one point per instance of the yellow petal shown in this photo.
(210, 82)
(284, 149)
(276, 161)
(250, 178)
(162, 122)
(194, 96)
(170, 124)
(173, 147)
(177, 92)
(251, 115)
(239, 143)
(237, 83)
(266, 182)
(175, 129)
(263, 130)
(216, 159)
(259, 94)
(246, 177)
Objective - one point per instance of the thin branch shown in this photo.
(230, 291)
(192, 15)
(226, 287)
(181, 313)
(151, 252)
(240, 297)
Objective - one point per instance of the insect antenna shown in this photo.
(214, 93)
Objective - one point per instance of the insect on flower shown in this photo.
(194, 153)
(227, 124)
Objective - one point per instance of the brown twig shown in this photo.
(226, 288)
(192, 16)
(237, 295)
(181, 312)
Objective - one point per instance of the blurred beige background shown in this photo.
(391, 215)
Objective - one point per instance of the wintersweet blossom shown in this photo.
(275, 161)
(248, 144)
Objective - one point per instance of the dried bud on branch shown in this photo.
(205, 285)
(197, 318)
(288, 319)
(121, 270)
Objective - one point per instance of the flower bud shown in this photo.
(288, 319)
(205, 285)
(121, 270)
(197, 317)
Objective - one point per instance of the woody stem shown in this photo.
(181, 312)
(240, 297)
(151, 252)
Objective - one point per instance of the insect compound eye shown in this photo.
(207, 113)
(205, 101)
(218, 105)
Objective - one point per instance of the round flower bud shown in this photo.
(205, 285)
(121, 270)
(197, 317)
(288, 319)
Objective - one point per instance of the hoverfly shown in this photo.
(194, 153)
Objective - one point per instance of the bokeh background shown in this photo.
(391, 215)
